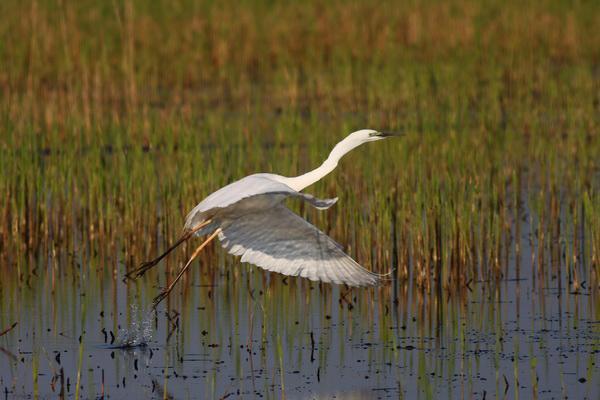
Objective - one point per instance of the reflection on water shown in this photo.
(245, 333)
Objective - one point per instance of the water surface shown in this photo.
(244, 333)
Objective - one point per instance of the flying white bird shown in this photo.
(251, 221)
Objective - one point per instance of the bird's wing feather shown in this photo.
(251, 192)
(279, 240)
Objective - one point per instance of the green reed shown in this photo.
(117, 119)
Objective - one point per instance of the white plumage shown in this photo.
(280, 241)
(251, 221)
(250, 194)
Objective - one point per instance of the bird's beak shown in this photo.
(385, 134)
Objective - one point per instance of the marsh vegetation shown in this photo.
(117, 118)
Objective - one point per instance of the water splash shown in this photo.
(139, 333)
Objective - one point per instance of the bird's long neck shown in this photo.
(300, 182)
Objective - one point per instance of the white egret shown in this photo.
(250, 220)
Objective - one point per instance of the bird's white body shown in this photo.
(250, 194)
(254, 224)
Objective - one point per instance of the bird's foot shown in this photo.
(140, 271)
(161, 296)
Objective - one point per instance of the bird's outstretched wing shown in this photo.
(279, 240)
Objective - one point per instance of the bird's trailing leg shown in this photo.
(165, 292)
(145, 266)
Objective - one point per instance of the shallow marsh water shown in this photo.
(116, 118)
(243, 333)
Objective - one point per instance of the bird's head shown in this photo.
(357, 138)
(370, 135)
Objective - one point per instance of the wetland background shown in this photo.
(116, 118)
